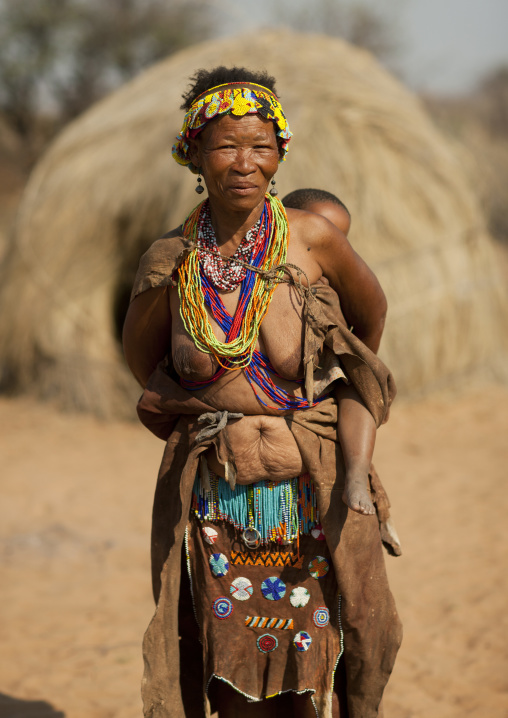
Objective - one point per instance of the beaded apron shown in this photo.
(269, 617)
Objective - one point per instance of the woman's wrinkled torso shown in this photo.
(262, 442)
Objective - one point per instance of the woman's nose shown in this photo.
(243, 161)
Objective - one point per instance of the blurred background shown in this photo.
(58, 57)
(401, 109)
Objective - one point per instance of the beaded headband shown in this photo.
(237, 101)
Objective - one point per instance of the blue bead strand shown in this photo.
(265, 506)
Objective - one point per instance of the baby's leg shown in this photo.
(356, 430)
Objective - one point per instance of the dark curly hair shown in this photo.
(300, 198)
(203, 80)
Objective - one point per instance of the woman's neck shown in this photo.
(230, 227)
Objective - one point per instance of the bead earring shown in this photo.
(273, 190)
(199, 188)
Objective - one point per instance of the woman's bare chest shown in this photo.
(280, 335)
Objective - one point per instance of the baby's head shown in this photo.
(321, 202)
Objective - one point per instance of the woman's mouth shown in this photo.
(243, 188)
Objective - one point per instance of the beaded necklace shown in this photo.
(224, 275)
(197, 292)
(255, 295)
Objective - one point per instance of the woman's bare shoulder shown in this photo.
(312, 228)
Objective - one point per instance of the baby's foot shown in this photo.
(356, 495)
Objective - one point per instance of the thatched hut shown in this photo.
(108, 187)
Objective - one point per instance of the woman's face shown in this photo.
(238, 157)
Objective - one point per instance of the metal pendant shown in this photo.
(199, 189)
(251, 538)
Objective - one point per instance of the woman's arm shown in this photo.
(147, 332)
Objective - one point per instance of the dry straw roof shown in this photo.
(108, 187)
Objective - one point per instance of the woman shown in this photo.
(230, 329)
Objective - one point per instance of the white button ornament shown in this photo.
(299, 597)
(241, 589)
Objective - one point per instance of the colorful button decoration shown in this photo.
(284, 624)
(222, 607)
(209, 534)
(241, 589)
(267, 643)
(268, 558)
(219, 564)
(273, 588)
(299, 597)
(321, 617)
(302, 641)
(319, 567)
(317, 533)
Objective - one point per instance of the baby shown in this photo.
(355, 426)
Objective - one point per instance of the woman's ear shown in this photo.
(279, 147)
(195, 152)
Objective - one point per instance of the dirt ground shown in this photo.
(75, 587)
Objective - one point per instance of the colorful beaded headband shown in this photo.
(237, 101)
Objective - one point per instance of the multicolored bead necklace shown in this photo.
(224, 275)
(197, 292)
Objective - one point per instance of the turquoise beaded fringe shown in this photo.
(278, 510)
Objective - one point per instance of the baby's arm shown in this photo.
(356, 431)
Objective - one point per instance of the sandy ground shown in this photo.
(75, 586)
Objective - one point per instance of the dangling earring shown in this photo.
(273, 191)
(199, 188)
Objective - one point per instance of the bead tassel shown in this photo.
(280, 510)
